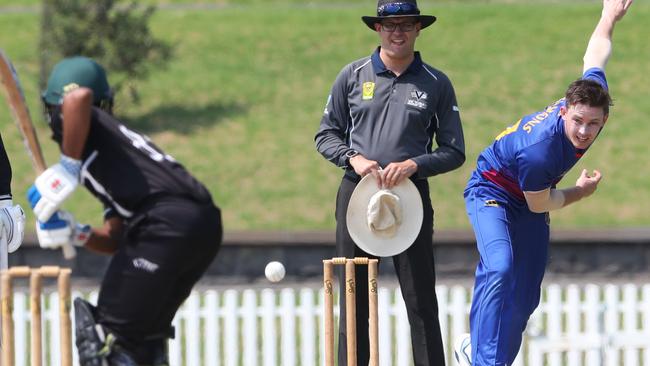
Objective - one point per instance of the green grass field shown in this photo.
(243, 97)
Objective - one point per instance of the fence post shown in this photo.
(402, 331)
(630, 328)
(212, 329)
(269, 332)
(554, 325)
(51, 317)
(288, 336)
(21, 317)
(385, 327)
(611, 324)
(593, 324)
(573, 313)
(442, 294)
(645, 304)
(307, 328)
(175, 356)
(249, 331)
(192, 333)
(459, 315)
(231, 328)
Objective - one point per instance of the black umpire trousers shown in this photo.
(164, 251)
(416, 274)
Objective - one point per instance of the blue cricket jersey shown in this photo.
(534, 153)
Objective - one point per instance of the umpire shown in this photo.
(382, 117)
(160, 223)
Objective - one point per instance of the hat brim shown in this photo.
(407, 232)
(425, 20)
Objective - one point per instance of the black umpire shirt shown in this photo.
(389, 118)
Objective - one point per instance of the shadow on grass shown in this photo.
(183, 119)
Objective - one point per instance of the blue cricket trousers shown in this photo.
(513, 245)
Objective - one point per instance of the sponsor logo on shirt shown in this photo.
(418, 99)
(145, 265)
(368, 90)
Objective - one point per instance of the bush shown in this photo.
(113, 32)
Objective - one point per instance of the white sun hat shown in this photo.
(384, 222)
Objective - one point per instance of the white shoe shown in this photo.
(463, 350)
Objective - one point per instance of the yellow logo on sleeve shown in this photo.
(368, 90)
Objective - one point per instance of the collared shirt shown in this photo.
(126, 171)
(390, 118)
(534, 153)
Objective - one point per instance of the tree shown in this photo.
(113, 32)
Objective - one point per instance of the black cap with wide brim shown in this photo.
(425, 20)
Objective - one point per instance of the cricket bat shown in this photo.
(16, 99)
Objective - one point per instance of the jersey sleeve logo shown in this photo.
(541, 116)
(368, 90)
(508, 131)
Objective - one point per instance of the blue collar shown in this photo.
(379, 66)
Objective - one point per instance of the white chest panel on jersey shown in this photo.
(86, 176)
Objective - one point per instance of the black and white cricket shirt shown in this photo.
(126, 170)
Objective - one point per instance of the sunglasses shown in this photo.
(397, 9)
(391, 27)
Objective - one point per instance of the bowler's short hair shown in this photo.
(588, 92)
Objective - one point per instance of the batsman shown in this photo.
(160, 224)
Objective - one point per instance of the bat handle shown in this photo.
(69, 252)
(4, 253)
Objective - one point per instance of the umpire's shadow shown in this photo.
(183, 119)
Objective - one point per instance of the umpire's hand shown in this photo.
(363, 167)
(394, 173)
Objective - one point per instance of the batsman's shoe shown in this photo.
(95, 346)
(463, 350)
(120, 358)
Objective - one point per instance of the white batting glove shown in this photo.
(12, 224)
(53, 187)
(61, 230)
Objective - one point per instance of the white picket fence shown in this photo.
(575, 325)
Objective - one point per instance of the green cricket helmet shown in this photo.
(73, 72)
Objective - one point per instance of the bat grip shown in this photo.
(69, 252)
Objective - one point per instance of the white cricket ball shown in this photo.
(274, 271)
